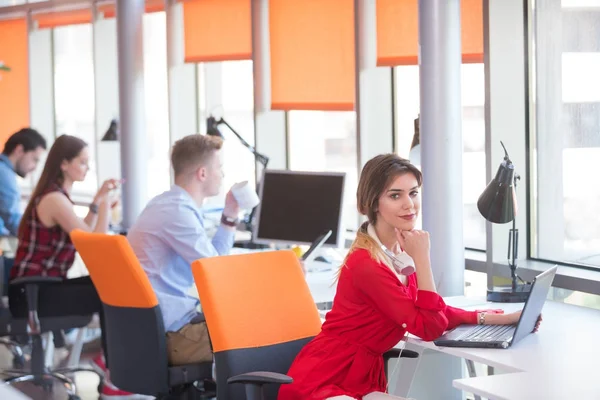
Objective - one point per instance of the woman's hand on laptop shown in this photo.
(537, 324)
(508, 319)
(494, 317)
(517, 315)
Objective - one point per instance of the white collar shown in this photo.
(373, 234)
(402, 255)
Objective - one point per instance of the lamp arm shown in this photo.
(506, 157)
(264, 160)
(513, 243)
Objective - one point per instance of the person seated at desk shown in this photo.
(375, 305)
(21, 154)
(170, 234)
(45, 248)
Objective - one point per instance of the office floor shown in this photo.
(87, 383)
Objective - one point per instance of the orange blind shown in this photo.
(398, 32)
(217, 30)
(312, 54)
(14, 85)
(471, 15)
(62, 18)
(109, 10)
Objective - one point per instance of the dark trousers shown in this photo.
(71, 297)
(8, 264)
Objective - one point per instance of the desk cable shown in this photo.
(402, 345)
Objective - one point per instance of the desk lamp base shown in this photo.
(506, 294)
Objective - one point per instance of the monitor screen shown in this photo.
(297, 207)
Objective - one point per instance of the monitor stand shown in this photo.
(323, 259)
(247, 226)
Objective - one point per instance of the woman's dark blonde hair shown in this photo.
(375, 178)
(65, 148)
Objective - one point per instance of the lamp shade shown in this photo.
(112, 133)
(498, 202)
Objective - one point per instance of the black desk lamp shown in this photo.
(212, 129)
(112, 133)
(498, 204)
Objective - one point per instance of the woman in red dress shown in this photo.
(375, 305)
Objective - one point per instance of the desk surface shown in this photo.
(531, 385)
(561, 358)
(558, 362)
(568, 334)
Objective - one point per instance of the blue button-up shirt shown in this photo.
(10, 198)
(167, 237)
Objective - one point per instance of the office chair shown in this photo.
(260, 314)
(5, 320)
(135, 333)
(34, 327)
(15, 333)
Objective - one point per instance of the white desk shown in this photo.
(561, 358)
(321, 281)
(558, 362)
(561, 385)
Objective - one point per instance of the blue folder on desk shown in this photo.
(503, 336)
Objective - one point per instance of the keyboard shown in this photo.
(488, 333)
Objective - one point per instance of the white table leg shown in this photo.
(472, 374)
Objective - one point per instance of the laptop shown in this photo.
(503, 336)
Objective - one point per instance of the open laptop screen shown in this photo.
(535, 303)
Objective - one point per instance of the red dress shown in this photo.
(372, 311)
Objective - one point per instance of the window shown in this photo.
(232, 99)
(156, 104)
(74, 98)
(6, 3)
(406, 90)
(565, 145)
(326, 141)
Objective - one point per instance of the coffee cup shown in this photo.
(245, 195)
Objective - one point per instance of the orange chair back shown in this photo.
(259, 313)
(115, 270)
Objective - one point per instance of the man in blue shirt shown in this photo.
(171, 233)
(21, 154)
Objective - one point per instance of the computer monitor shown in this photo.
(297, 207)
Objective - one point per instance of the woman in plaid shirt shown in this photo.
(45, 247)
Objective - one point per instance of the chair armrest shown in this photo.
(395, 353)
(36, 280)
(32, 288)
(260, 378)
(254, 381)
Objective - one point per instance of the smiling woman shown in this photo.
(376, 304)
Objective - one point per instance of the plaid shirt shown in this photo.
(43, 251)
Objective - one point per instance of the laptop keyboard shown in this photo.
(486, 333)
